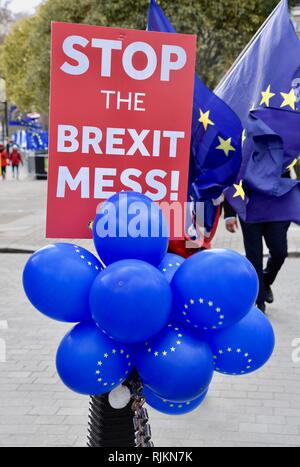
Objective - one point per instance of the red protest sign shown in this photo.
(121, 113)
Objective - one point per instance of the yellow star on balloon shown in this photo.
(292, 165)
(225, 145)
(289, 100)
(267, 96)
(240, 192)
(205, 120)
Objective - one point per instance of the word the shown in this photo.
(133, 100)
(173, 58)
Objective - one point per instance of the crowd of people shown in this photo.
(10, 157)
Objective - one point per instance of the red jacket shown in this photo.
(4, 159)
(16, 158)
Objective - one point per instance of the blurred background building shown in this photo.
(296, 16)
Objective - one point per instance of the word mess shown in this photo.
(106, 180)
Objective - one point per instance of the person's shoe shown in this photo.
(269, 295)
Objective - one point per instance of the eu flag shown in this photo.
(268, 72)
(216, 137)
(265, 192)
(267, 77)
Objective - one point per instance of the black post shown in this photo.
(110, 427)
(126, 427)
(6, 119)
(3, 131)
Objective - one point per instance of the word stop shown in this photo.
(173, 57)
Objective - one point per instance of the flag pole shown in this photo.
(253, 40)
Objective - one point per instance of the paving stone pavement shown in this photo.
(37, 410)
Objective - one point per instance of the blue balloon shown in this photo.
(57, 280)
(130, 226)
(176, 365)
(131, 301)
(90, 363)
(214, 289)
(244, 347)
(172, 408)
(170, 264)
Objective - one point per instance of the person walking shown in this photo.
(4, 161)
(276, 238)
(266, 197)
(16, 160)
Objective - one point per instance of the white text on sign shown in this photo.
(111, 141)
(173, 58)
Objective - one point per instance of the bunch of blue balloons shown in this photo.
(174, 321)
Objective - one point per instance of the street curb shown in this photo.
(294, 254)
(17, 251)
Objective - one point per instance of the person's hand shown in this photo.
(232, 225)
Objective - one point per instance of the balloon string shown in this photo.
(102, 264)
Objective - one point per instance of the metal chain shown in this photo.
(141, 418)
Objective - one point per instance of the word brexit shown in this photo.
(112, 142)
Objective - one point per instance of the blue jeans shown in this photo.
(15, 171)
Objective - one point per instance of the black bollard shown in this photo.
(109, 427)
(125, 427)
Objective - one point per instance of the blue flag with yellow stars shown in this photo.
(216, 137)
(265, 191)
(266, 76)
(268, 72)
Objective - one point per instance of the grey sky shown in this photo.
(28, 6)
